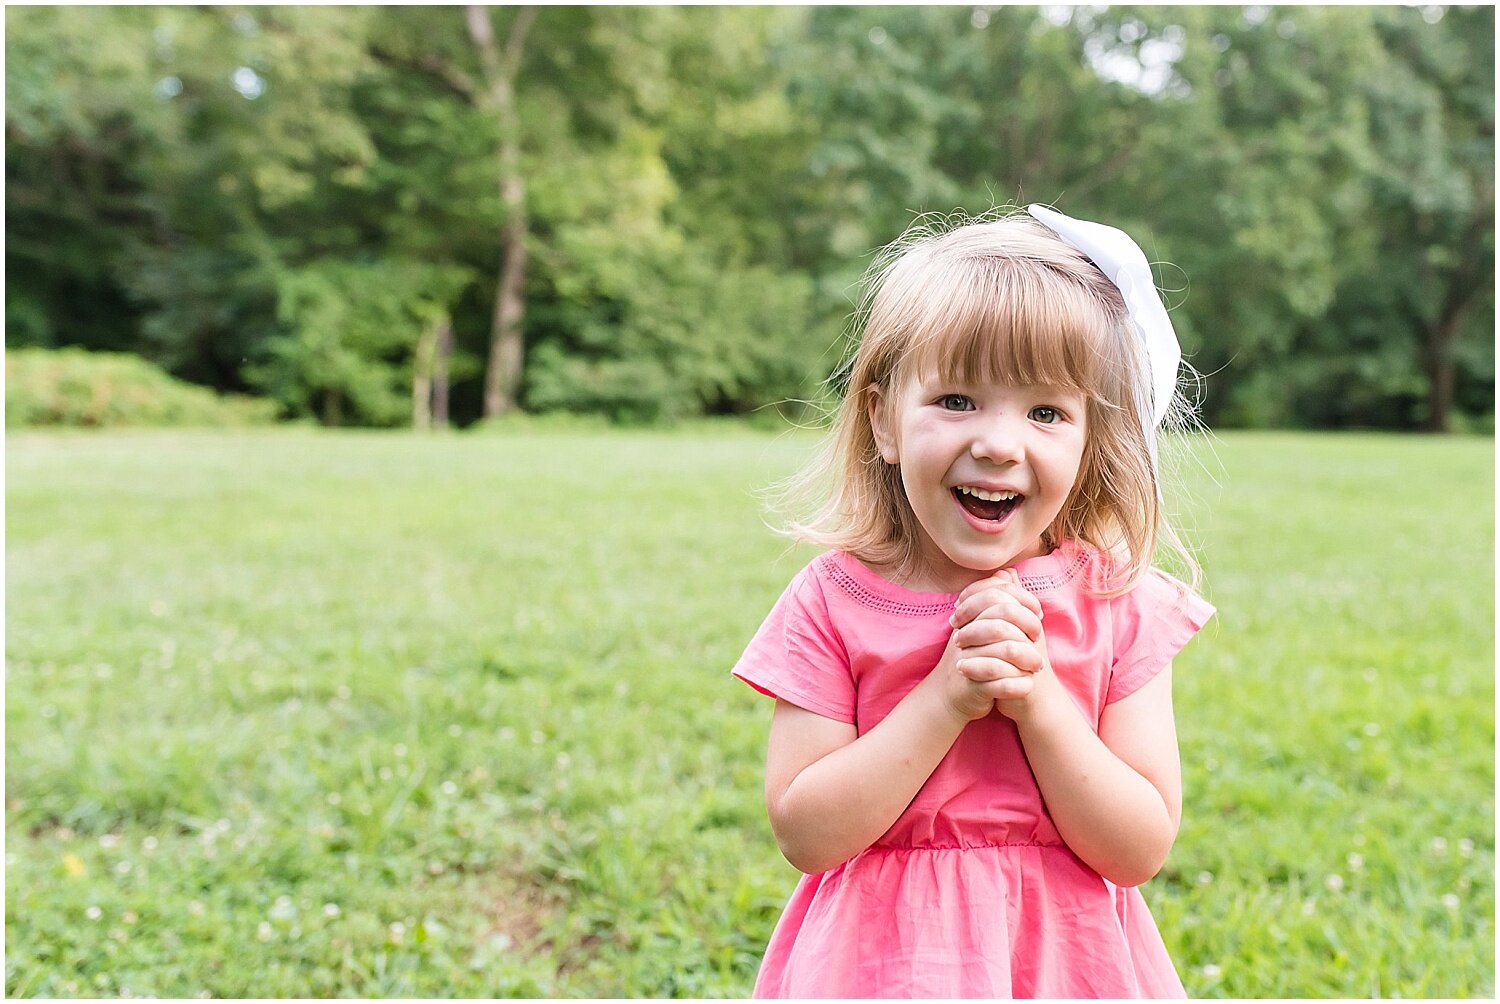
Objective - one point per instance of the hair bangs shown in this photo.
(1012, 322)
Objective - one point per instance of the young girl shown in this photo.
(973, 756)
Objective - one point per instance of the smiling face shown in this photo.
(986, 468)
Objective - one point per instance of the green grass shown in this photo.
(293, 713)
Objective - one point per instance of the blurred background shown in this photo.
(394, 216)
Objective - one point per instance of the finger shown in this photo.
(1006, 608)
(986, 630)
(971, 606)
(987, 582)
(987, 670)
(1014, 588)
(1023, 655)
(995, 578)
(1012, 610)
(1010, 689)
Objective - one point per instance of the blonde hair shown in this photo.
(997, 300)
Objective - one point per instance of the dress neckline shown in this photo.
(1040, 575)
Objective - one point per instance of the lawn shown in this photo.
(300, 713)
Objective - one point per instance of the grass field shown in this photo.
(293, 713)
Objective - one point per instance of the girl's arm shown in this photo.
(1115, 797)
(831, 793)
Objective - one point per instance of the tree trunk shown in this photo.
(440, 374)
(507, 351)
(1441, 335)
(333, 407)
(1441, 371)
(421, 378)
(502, 378)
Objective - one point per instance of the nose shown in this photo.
(999, 439)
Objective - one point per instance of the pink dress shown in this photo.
(972, 892)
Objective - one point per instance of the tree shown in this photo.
(498, 97)
(1433, 123)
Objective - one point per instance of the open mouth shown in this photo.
(987, 505)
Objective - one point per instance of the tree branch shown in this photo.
(483, 33)
(525, 17)
(452, 75)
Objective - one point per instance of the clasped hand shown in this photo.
(997, 655)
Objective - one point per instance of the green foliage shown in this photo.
(347, 735)
(349, 328)
(704, 189)
(72, 387)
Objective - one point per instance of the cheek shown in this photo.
(1070, 462)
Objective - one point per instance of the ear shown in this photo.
(882, 423)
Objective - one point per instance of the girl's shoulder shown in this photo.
(1093, 571)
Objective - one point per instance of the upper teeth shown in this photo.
(980, 493)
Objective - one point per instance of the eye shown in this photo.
(955, 402)
(1046, 415)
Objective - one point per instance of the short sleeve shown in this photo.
(1152, 623)
(797, 655)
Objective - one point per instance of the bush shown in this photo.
(72, 387)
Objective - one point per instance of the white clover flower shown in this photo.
(149, 844)
(196, 908)
(449, 788)
(1334, 882)
(1450, 901)
(400, 749)
(263, 931)
(1211, 971)
(330, 910)
(385, 773)
(1466, 847)
(1439, 846)
(109, 840)
(334, 798)
(1356, 861)
(93, 913)
(1205, 877)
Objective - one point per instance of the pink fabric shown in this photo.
(971, 893)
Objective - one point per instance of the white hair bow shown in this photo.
(1124, 263)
